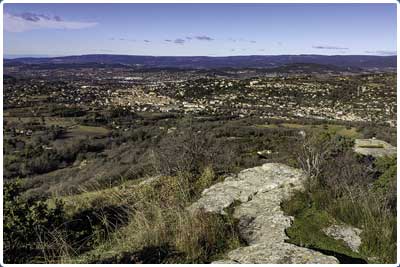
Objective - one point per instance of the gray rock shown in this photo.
(278, 253)
(224, 262)
(262, 223)
(374, 147)
(349, 234)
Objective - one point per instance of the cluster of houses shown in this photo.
(366, 97)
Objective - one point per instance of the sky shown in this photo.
(199, 29)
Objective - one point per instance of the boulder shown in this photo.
(374, 147)
(348, 234)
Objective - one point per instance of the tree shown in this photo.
(313, 152)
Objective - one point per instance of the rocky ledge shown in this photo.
(259, 192)
(374, 147)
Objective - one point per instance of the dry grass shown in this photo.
(367, 211)
(342, 187)
(157, 218)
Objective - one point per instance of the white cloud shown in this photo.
(29, 21)
(330, 47)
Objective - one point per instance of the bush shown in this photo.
(386, 185)
(26, 222)
(190, 151)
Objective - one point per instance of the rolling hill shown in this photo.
(202, 62)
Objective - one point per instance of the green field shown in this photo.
(83, 130)
(334, 128)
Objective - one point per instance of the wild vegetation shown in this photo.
(124, 217)
(129, 222)
(86, 182)
(344, 187)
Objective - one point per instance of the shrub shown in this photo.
(189, 150)
(26, 222)
(385, 186)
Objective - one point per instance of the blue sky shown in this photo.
(199, 29)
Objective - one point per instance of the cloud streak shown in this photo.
(179, 41)
(128, 40)
(242, 40)
(203, 38)
(328, 47)
(382, 52)
(30, 21)
(122, 39)
(187, 39)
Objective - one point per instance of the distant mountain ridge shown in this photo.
(204, 62)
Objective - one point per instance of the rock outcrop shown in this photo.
(262, 223)
(348, 234)
(374, 147)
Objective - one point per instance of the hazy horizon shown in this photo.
(76, 55)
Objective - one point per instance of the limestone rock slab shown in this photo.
(262, 223)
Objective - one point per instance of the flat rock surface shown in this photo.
(262, 223)
(374, 147)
